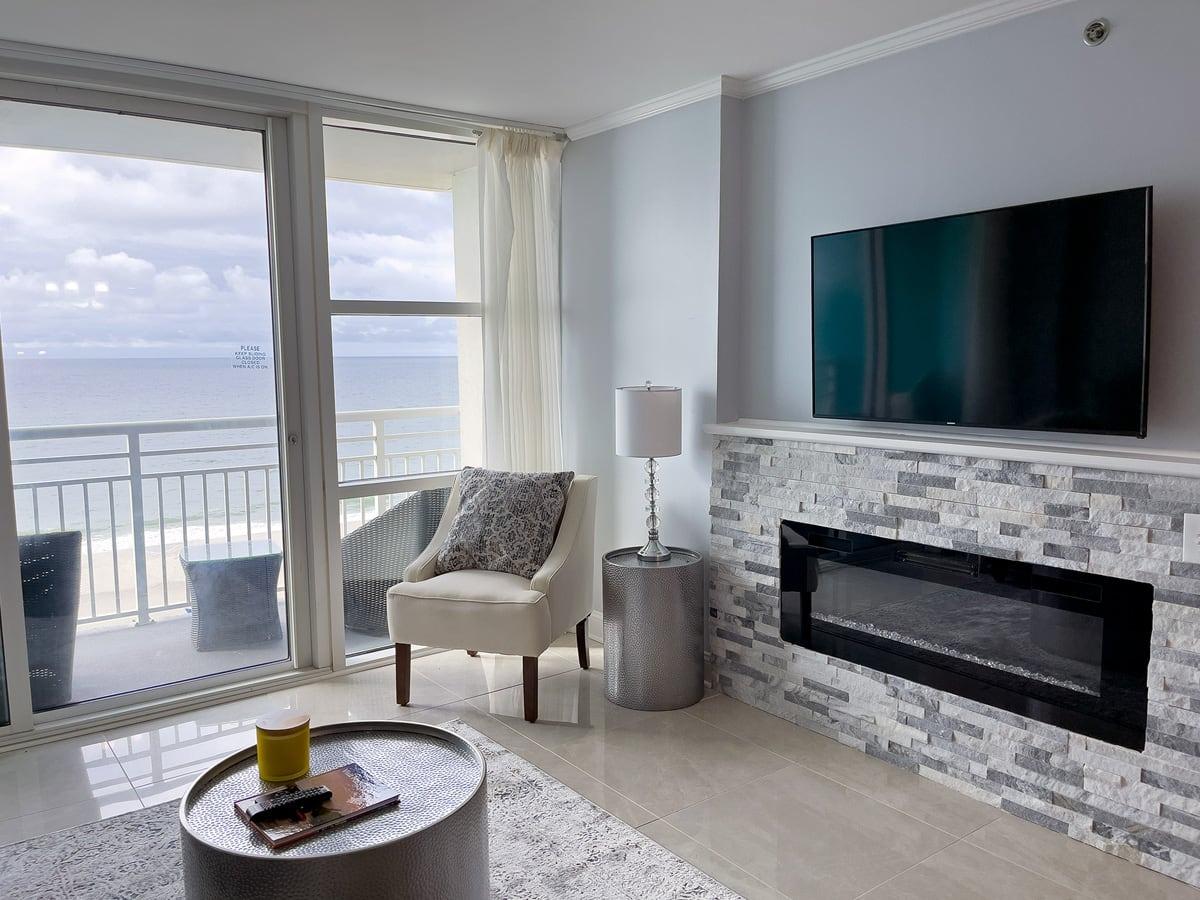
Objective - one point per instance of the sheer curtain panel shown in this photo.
(520, 188)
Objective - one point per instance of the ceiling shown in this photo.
(554, 62)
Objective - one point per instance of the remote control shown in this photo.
(289, 801)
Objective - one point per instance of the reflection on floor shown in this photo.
(164, 648)
(767, 807)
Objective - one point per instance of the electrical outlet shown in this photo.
(1191, 537)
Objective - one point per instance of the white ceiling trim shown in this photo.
(714, 87)
(976, 17)
(990, 13)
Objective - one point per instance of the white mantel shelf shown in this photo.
(1099, 456)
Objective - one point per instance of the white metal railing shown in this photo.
(142, 491)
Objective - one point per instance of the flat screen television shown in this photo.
(1033, 317)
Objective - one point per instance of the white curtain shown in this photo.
(520, 186)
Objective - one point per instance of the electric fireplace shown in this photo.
(1063, 647)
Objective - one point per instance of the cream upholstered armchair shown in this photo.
(498, 612)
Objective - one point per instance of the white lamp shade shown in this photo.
(649, 421)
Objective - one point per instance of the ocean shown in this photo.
(74, 391)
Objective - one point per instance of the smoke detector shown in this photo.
(1095, 32)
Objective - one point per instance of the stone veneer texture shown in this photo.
(1141, 806)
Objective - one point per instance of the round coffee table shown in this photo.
(432, 844)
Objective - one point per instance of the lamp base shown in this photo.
(654, 551)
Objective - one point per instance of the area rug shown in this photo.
(546, 841)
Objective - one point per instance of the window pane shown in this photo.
(408, 392)
(137, 315)
(380, 537)
(399, 207)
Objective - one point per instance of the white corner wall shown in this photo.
(639, 301)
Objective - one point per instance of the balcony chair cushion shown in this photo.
(472, 609)
(506, 521)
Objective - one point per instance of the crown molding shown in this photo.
(976, 17)
(971, 19)
(723, 86)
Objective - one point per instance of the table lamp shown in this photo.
(649, 427)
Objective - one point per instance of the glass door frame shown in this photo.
(292, 312)
(329, 307)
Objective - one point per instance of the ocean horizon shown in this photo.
(71, 391)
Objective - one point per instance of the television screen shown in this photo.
(1031, 317)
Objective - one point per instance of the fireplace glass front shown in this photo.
(1064, 647)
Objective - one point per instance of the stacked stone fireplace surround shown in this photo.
(1143, 806)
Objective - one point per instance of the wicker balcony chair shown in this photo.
(50, 585)
(375, 555)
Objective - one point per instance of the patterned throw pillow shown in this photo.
(506, 521)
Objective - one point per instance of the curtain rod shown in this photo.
(366, 129)
(43, 55)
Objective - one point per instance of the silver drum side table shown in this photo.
(653, 629)
(432, 844)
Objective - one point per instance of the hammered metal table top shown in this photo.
(434, 771)
(627, 557)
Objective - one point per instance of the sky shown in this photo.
(105, 256)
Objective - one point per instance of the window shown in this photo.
(400, 383)
(407, 354)
(156, 306)
(402, 214)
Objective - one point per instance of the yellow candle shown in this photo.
(282, 745)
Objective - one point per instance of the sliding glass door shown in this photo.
(142, 384)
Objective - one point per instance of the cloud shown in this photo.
(395, 336)
(246, 287)
(114, 264)
(389, 278)
(410, 213)
(388, 243)
(172, 259)
(184, 284)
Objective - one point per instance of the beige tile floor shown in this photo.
(766, 807)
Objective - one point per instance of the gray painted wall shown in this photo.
(729, 278)
(639, 301)
(719, 199)
(1014, 113)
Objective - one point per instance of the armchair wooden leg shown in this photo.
(403, 673)
(529, 675)
(472, 653)
(585, 661)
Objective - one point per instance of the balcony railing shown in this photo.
(142, 491)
